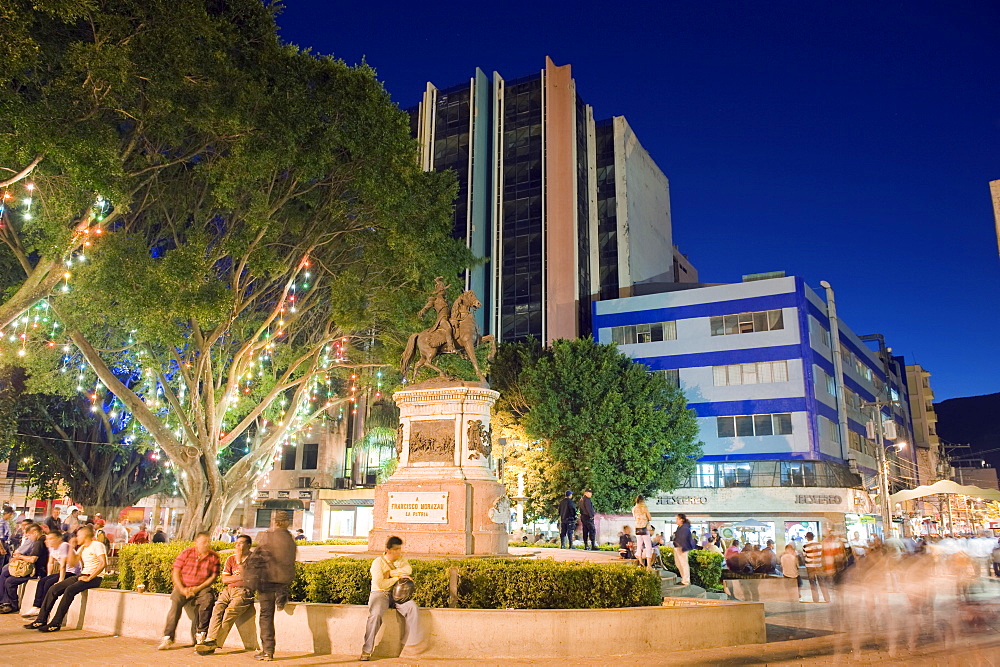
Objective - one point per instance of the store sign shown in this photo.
(263, 494)
(818, 500)
(282, 494)
(418, 508)
(682, 500)
(305, 495)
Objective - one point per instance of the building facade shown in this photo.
(785, 396)
(564, 209)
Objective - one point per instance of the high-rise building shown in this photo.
(789, 403)
(564, 209)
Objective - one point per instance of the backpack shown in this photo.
(255, 570)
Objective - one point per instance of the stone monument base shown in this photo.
(469, 529)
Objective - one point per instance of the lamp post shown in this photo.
(883, 463)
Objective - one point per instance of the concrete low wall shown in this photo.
(453, 633)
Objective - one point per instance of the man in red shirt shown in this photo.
(195, 570)
(234, 600)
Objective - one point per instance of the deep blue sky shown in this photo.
(847, 141)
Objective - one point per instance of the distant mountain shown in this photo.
(973, 420)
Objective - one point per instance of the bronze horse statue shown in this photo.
(433, 341)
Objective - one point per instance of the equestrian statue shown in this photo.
(454, 332)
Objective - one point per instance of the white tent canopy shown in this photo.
(945, 486)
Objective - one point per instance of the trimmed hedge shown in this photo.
(706, 567)
(491, 583)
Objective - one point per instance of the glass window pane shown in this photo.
(779, 370)
(617, 335)
(732, 324)
(764, 372)
(735, 376)
(670, 330)
(744, 425)
(783, 423)
(762, 425)
(716, 324)
(725, 427)
(749, 373)
(655, 332)
(760, 321)
(719, 375)
(629, 335)
(775, 320)
(746, 318)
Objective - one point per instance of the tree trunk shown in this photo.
(110, 513)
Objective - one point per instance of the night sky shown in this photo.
(847, 141)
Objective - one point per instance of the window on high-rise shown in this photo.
(760, 372)
(739, 426)
(740, 323)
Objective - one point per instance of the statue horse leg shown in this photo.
(428, 351)
(468, 343)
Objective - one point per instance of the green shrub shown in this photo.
(706, 567)
(486, 583)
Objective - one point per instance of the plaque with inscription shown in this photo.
(432, 440)
(418, 507)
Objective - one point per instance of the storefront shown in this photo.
(758, 514)
(347, 512)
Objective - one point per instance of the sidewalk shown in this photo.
(796, 635)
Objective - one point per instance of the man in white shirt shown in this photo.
(386, 570)
(93, 559)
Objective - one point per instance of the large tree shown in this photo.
(103, 462)
(241, 268)
(583, 415)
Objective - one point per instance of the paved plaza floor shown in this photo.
(797, 635)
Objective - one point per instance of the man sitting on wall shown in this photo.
(195, 570)
(386, 570)
(234, 600)
(92, 558)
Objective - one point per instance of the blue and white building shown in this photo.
(782, 390)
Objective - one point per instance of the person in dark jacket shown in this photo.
(278, 547)
(682, 545)
(587, 519)
(567, 520)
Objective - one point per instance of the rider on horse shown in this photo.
(438, 302)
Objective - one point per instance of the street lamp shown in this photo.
(883, 464)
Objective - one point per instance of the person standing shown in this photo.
(53, 522)
(386, 570)
(92, 558)
(234, 600)
(73, 521)
(195, 570)
(587, 519)
(6, 535)
(644, 545)
(683, 543)
(996, 559)
(814, 568)
(277, 548)
(141, 536)
(790, 572)
(567, 520)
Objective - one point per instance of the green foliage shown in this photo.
(483, 583)
(594, 419)
(706, 567)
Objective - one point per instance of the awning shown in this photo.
(283, 504)
(945, 486)
(350, 502)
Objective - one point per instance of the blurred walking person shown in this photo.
(276, 548)
(814, 568)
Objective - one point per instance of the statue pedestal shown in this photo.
(443, 497)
